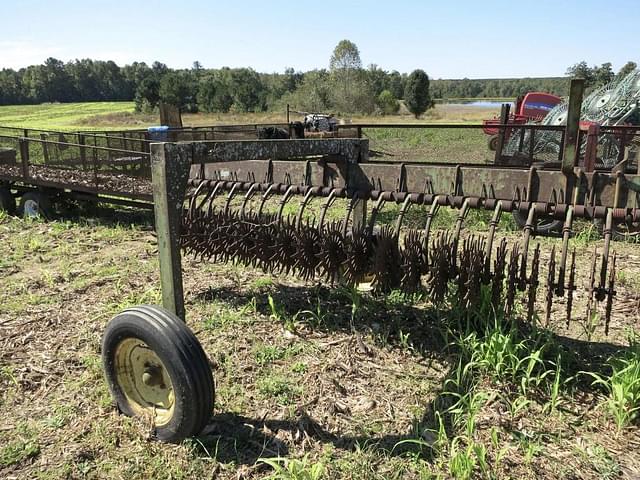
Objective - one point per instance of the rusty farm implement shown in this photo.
(322, 209)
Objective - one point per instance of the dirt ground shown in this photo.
(350, 396)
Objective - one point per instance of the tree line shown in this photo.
(345, 87)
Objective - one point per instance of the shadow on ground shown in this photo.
(242, 440)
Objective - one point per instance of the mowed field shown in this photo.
(118, 115)
(313, 380)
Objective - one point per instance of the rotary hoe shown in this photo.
(321, 210)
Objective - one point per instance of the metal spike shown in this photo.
(566, 234)
(512, 279)
(610, 294)
(533, 283)
(497, 280)
(591, 288)
(571, 286)
(550, 286)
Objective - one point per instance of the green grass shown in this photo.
(434, 145)
(622, 387)
(63, 116)
(294, 469)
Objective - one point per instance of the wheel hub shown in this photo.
(144, 380)
(31, 208)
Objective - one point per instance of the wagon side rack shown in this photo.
(41, 170)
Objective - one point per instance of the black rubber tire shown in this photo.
(618, 234)
(184, 360)
(492, 143)
(543, 227)
(7, 202)
(43, 207)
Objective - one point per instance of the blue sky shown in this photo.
(448, 39)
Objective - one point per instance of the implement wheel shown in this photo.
(620, 232)
(35, 205)
(156, 368)
(492, 143)
(7, 202)
(544, 226)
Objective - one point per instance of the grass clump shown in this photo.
(294, 469)
(17, 451)
(279, 388)
(622, 386)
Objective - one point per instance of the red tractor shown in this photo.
(531, 107)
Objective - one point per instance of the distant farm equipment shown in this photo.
(616, 104)
(532, 107)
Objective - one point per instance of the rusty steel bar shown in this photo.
(462, 126)
(571, 145)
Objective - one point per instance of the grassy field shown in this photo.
(63, 116)
(313, 380)
(431, 145)
(118, 115)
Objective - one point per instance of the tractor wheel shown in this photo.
(493, 142)
(156, 368)
(544, 226)
(35, 205)
(7, 202)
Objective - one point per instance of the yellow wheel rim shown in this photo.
(144, 381)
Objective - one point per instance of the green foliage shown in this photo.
(387, 103)
(501, 354)
(314, 93)
(248, 92)
(350, 87)
(622, 387)
(597, 76)
(347, 88)
(294, 469)
(461, 461)
(496, 88)
(16, 451)
(207, 90)
(345, 57)
(267, 354)
(179, 88)
(626, 69)
(416, 93)
(279, 388)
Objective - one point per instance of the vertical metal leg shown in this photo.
(495, 220)
(359, 214)
(170, 170)
(571, 146)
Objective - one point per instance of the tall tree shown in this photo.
(179, 88)
(626, 69)
(396, 84)
(603, 74)
(346, 67)
(247, 90)
(207, 90)
(581, 70)
(416, 93)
